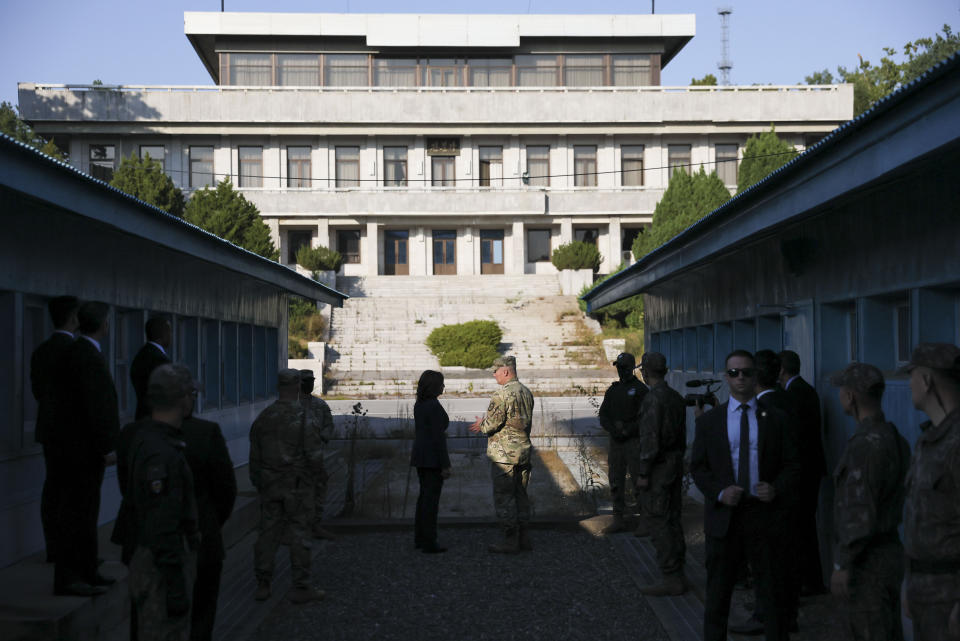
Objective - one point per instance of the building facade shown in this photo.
(435, 144)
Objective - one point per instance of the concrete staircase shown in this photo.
(377, 340)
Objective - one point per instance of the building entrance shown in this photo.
(395, 252)
(491, 251)
(444, 252)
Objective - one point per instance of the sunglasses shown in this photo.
(748, 372)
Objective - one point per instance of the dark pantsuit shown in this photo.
(50, 503)
(203, 610)
(808, 545)
(77, 512)
(428, 505)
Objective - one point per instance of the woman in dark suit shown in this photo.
(430, 458)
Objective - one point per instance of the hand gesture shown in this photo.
(475, 427)
(731, 495)
(766, 492)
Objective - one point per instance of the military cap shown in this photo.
(288, 376)
(625, 360)
(941, 356)
(504, 361)
(307, 374)
(860, 377)
(654, 361)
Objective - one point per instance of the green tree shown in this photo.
(688, 198)
(14, 126)
(317, 259)
(576, 255)
(225, 212)
(762, 154)
(708, 80)
(146, 180)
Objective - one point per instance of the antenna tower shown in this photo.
(725, 64)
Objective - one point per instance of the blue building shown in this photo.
(67, 233)
(851, 252)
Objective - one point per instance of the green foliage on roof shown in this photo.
(708, 80)
(226, 213)
(146, 180)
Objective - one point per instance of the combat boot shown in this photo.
(618, 525)
(671, 585)
(525, 544)
(510, 544)
(306, 595)
(263, 590)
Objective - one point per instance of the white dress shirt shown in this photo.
(733, 434)
(158, 346)
(93, 342)
(790, 380)
(63, 331)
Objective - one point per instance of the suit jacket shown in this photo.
(88, 421)
(810, 430)
(712, 465)
(45, 364)
(147, 359)
(430, 442)
(214, 481)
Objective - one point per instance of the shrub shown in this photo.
(295, 349)
(317, 259)
(304, 324)
(627, 312)
(471, 344)
(576, 255)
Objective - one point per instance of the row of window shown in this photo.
(365, 70)
(442, 165)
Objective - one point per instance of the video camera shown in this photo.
(709, 397)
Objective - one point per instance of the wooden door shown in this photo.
(444, 252)
(395, 260)
(491, 251)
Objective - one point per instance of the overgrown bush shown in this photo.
(304, 325)
(624, 313)
(576, 255)
(318, 259)
(295, 349)
(471, 344)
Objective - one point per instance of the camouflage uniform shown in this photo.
(164, 508)
(868, 502)
(507, 425)
(285, 455)
(619, 417)
(322, 422)
(663, 441)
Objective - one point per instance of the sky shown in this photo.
(771, 41)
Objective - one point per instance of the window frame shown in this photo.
(585, 177)
(195, 161)
(392, 162)
(303, 165)
(103, 171)
(350, 257)
(444, 162)
(549, 244)
(254, 160)
(339, 163)
(632, 173)
(540, 180)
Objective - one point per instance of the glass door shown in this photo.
(444, 252)
(491, 251)
(395, 252)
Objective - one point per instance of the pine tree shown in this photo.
(763, 154)
(12, 125)
(225, 212)
(146, 180)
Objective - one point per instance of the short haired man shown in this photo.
(45, 362)
(507, 426)
(867, 504)
(931, 523)
(322, 421)
(744, 461)
(153, 354)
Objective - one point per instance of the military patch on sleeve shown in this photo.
(156, 476)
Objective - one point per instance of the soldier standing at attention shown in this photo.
(663, 440)
(868, 501)
(507, 425)
(163, 504)
(323, 423)
(620, 417)
(285, 456)
(931, 524)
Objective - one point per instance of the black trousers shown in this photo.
(808, 544)
(49, 504)
(428, 504)
(206, 590)
(755, 534)
(77, 509)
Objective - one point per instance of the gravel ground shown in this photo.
(572, 586)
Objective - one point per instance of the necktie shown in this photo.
(743, 473)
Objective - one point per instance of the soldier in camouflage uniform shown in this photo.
(931, 524)
(323, 424)
(285, 455)
(163, 508)
(620, 417)
(868, 501)
(659, 472)
(507, 425)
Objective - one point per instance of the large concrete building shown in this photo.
(435, 144)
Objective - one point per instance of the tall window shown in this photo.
(156, 152)
(538, 245)
(348, 244)
(585, 165)
(395, 166)
(537, 71)
(395, 72)
(678, 157)
(631, 165)
(298, 69)
(442, 171)
(201, 167)
(251, 167)
(492, 72)
(443, 72)
(491, 166)
(348, 166)
(727, 163)
(586, 235)
(631, 70)
(101, 161)
(251, 69)
(297, 238)
(346, 70)
(298, 167)
(583, 71)
(538, 165)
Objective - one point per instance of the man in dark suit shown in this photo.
(813, 468)
(151, 356)
(79, 445)
(744, 461)
(45, 362)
